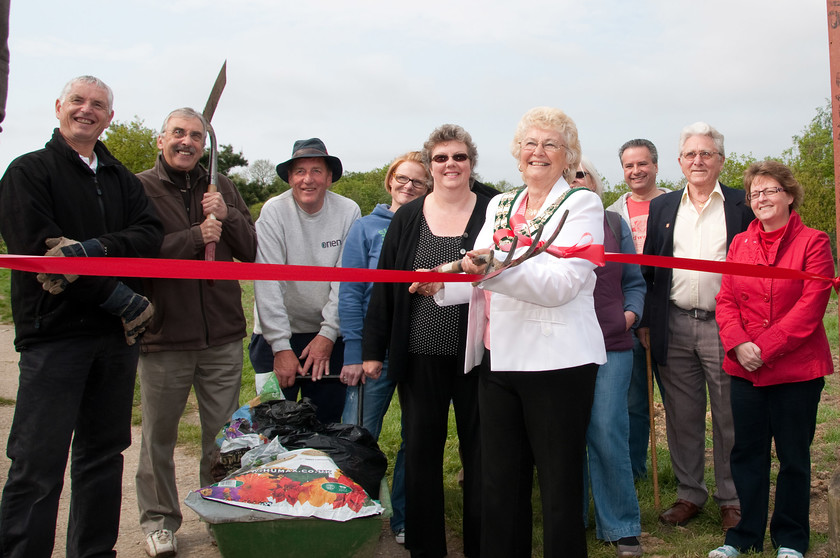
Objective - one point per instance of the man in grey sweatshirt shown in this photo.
(296, 327)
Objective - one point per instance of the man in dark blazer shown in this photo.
(679, 325)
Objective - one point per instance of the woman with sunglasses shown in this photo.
(777, 353)
(534, 334)
(425, 343)
(619, 302)
(406, 180)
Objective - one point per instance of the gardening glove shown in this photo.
(133, 309)
(68, 247)
(62, 246)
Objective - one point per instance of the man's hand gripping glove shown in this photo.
(56, 283)
(133, 309)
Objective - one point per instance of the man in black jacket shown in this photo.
(697, 222)
(76, 335)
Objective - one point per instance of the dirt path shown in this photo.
(193, 539)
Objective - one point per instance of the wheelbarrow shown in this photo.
(247, 533)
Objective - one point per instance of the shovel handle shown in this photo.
(210, 247)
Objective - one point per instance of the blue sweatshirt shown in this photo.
(361, 250)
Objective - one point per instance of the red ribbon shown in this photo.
(727, 268)
(200, 269)
(595, 254)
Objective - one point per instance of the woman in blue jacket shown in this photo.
(407, 179)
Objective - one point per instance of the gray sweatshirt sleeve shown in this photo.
(269, 295)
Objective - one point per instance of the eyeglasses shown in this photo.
(458, 157)
(415, 183)
(769, 192)
(705, 155)
(580, 175)
(179, 133)
(529, 144)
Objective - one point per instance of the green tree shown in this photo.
(254, 192)
(258, 182)
(132, 143)
(263, 172)
(227, 159)
(812, 161)
(734, 166)
(671, 185)
(613, 193)
(365, 188)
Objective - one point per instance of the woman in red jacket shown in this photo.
(777, 354)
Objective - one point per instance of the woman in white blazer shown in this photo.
(534, 332)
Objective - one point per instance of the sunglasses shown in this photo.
(458, 157)
(580, 175)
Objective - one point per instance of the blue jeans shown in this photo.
(608, 458)
(637, 407)
(377, 399)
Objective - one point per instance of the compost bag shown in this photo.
(299, 483)
(294, 425)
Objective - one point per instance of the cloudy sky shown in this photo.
(373, 78)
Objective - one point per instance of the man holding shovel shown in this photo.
(195, 339)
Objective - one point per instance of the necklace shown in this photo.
(531, 212)
(701, 204)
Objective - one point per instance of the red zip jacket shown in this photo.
(782, 316)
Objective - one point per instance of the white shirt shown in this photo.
(699, 235)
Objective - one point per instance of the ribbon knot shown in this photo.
(583, 248)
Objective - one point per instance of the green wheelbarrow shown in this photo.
(244, 533)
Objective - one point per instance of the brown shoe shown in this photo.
(729, 517)
(680, 513)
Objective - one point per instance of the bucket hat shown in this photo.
(312, 147)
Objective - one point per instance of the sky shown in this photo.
(373, 78)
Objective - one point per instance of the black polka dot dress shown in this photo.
(433, 328)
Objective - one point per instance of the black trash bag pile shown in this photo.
(281, 417)
(351, 447)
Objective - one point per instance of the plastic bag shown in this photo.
(294, 424)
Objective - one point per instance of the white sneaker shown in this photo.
(399, 536)
(785, 552)
(725, 551)
(161, 544)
